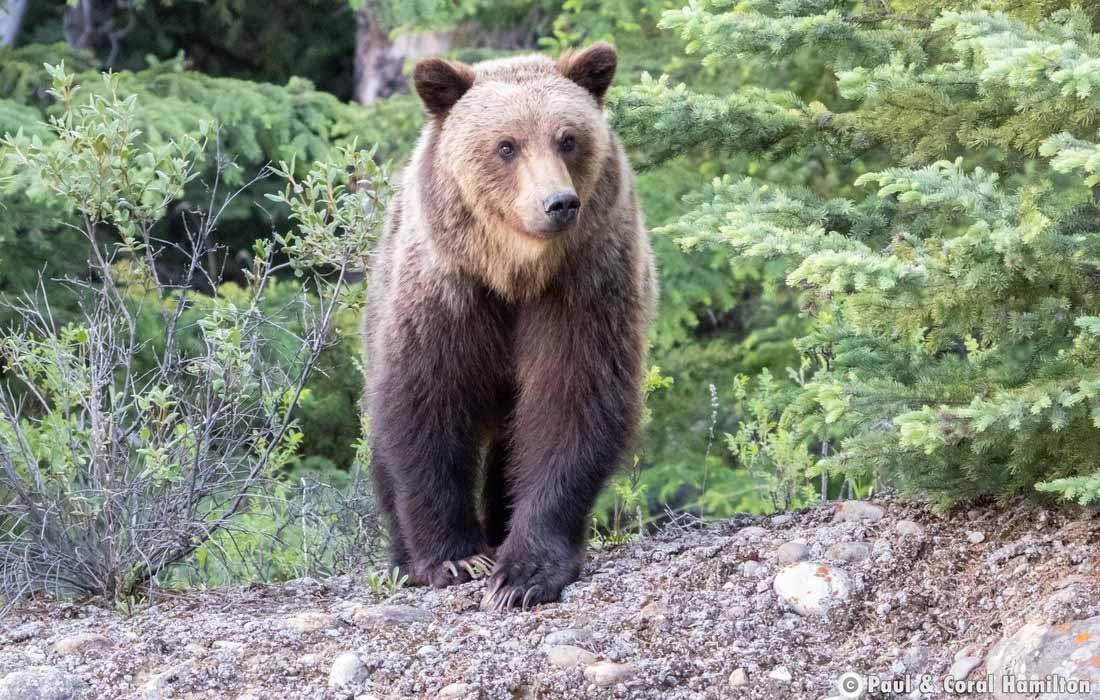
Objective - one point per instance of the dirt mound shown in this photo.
(890, 590)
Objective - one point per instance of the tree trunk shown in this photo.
(11, 17)
(380, 60)
(93, 25)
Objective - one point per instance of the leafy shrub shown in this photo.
(122, 457)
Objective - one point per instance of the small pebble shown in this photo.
(568, 656)
(909, 528)
(347, 669)
(608, 673)
(738, 678)
(791, 552)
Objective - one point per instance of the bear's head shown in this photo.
(523, 140)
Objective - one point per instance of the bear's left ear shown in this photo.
(441, 83)
(591, 68)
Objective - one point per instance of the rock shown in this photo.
(975, 537)
(39, 683)
(427, 651)
(309, 660)
(791, 552)
(229, 646)
(781, 674)
(811, 589)
(966, 660)
(1065, 604)
(916, 656)
(653, 608)
(387, 614)
(738, 678)
(849, 551)
(25, 631)
(855, 511)
(608, 673)
(454, 690)
(570, 635)
(752, 532)
(781, 519)
(347, 669)
(568, 656)
(752, 568)
(310, 621)
(80, 643)
(1035, 650)
(159, 687)
(909, 528)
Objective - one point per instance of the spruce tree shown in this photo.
(945, 247)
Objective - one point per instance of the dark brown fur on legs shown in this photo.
(506, 329)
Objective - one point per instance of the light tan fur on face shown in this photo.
(525, 101)
(539, 175)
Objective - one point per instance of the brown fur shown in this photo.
(494, 347)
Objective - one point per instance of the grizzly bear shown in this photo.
(509, 302)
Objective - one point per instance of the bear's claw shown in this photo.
(525, 585)
(455, 571)
(476, 566)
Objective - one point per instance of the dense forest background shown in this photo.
(876, 225)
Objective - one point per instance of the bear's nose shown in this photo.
(562, 207)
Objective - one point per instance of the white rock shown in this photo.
(454, 690)
(159, 687)
(975, 536)
(384, 614)
(752, 568)
(781, 674)
(909, 528)
(915, 657)
(80, 643)
(781, 519)
(1067, 650)
(229, 646)
(752, 532)
(811, 589)
(857, 511)
(608, 673)
(570, 635)
(347, 669)
(738, 678)
(791, 552)
(966, 660)
(309, 621)
(309, 660)
(427, 651)
(39, 683)
(568, 656)
(849, 551)
(653, 608)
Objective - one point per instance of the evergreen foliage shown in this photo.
(951, 290)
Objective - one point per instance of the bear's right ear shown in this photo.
(441, 83)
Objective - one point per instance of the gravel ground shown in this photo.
(690, 613)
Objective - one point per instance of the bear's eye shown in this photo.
(568, 144)
(507, 150)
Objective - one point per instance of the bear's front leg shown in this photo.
(579, 372)
(428, 402)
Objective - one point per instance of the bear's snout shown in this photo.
(561, 208)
